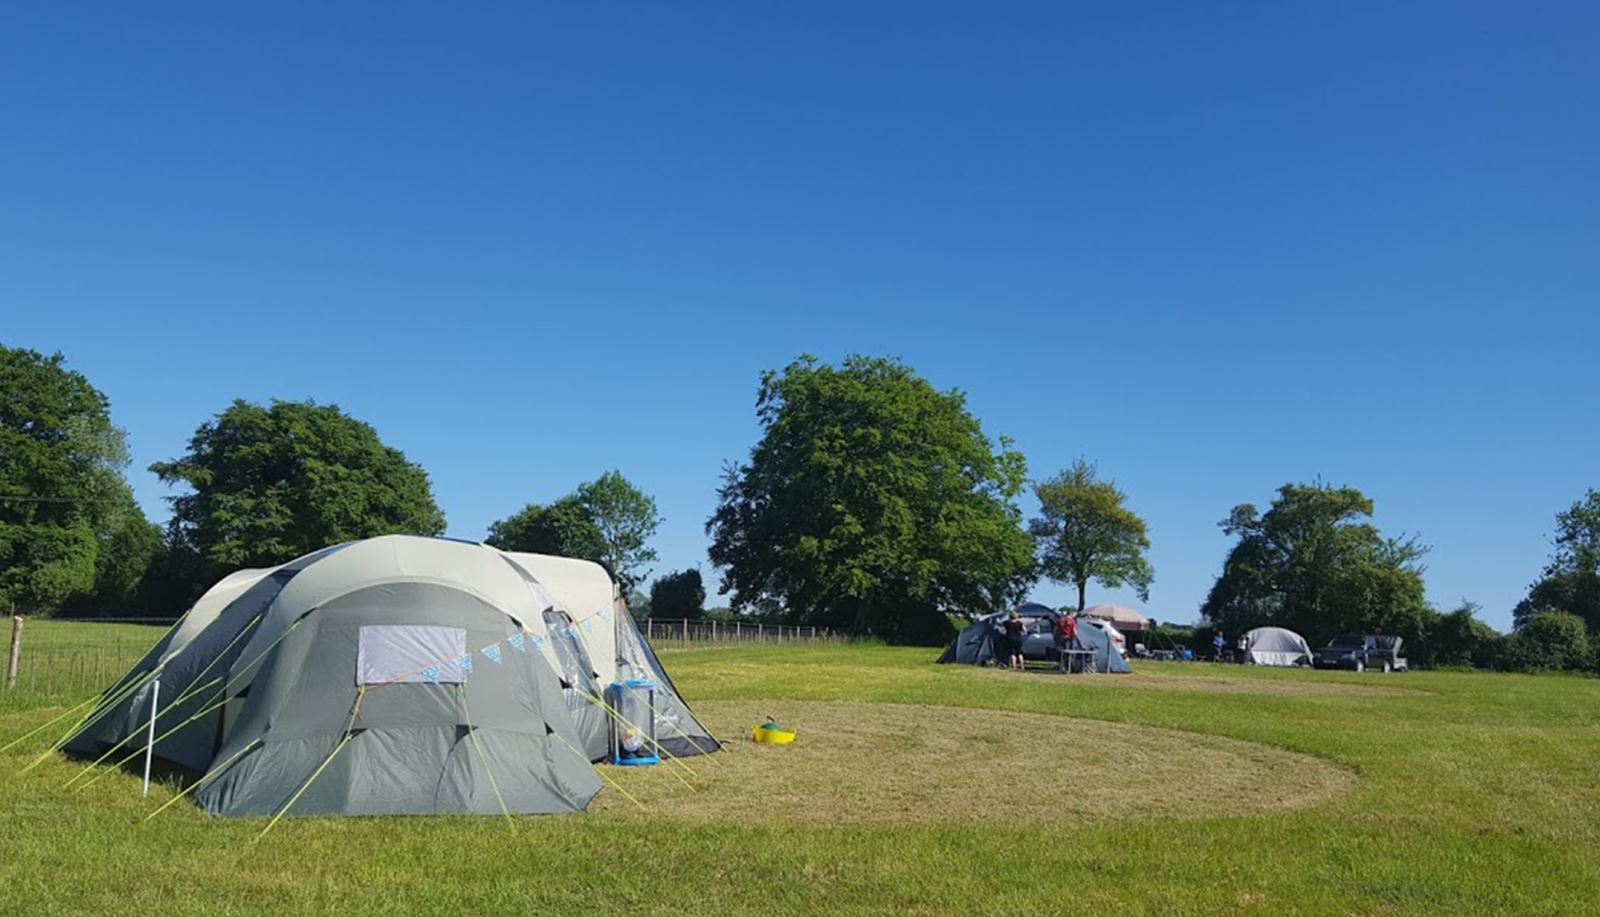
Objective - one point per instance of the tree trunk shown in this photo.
(1082, 584)
(863, 606)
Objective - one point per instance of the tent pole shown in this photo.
(150, 742)
(208, 775)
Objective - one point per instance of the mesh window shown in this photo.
(401, 653)
(574, 659)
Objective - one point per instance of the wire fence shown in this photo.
(684, 632)
(52, 674)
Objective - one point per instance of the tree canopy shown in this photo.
(1312, 564)
(1571, 582)
(563, 528)
(1085, 533)
(678, 595)
(69, 527)
(872, 502)
(1550, 641)
(606, 520)
(626, 518)
(272, 483)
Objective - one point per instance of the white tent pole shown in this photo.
(150, 743)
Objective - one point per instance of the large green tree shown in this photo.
(678, 595)
(1458, 638)
(873, 502)
(606, 520)
(68, 524)
(563, 528)
(626, 517)
(1313, 564)
(270, 483)
(1085, 532)
(1571, 582)
(1550, 641)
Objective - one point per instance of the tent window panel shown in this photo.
(410, 653)
(569, 649)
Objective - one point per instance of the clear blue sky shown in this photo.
(1213, 246)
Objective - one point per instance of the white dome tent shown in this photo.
(1276, 646)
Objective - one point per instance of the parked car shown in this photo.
(1359, 652)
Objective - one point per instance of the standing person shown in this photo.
(1240, 656)
(1217, 643)
(1066, 637)
(1015, 631)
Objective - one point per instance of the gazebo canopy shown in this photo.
(1121, 616)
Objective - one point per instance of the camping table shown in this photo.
(1084, 660)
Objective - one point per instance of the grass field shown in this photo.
(915, 788)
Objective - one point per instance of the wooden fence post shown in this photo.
(16, 653)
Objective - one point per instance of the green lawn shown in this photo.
(1428, 792)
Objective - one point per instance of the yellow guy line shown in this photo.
(320, 768)
(461, 692)
(614, 714)
(599, 773)
(208, 775)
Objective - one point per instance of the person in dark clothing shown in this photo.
(1015, 633)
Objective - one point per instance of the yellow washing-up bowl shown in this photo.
(771, 734)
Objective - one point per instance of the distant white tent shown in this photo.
(1123, 617)
(1276, 646)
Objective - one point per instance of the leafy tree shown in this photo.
(639, 605)
(872, 502)
(1551, 641)
(272, 483)
(607, 520)
(1312, 564)
(1086, 533)
(1458, 638)
(128, 545)
(678, 595)
(176, 577)
(626, 518)
(1571, 582)
(562, 528)
(61, 487)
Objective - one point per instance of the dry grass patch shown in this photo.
(874, 764)
(1300, 683)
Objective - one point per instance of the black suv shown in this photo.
(1359, 652)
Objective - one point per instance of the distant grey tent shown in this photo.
(397, 675)
(975, 644)
(1276, 646)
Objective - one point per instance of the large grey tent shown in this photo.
(1276, 646)
(975, 644)
(396, 675)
